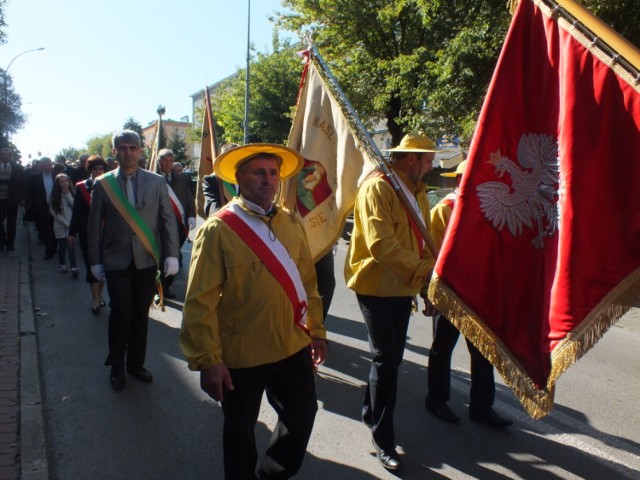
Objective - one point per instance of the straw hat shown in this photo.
(415, 142)
(226, 164)
(459, 170)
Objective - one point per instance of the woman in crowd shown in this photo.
(61, 206)
(96, 166)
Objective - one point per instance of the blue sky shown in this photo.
(105, 61)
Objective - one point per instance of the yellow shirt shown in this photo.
(384, 258)
(440, 215)
(235, 311)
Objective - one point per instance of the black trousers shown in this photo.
(482, 380)
(44, 225)
(326, 281)
(130, 293)
(291, 392)
(9, 213)
(387, 320)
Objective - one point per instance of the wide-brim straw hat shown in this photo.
(459, 170)
(227, 163)
(415, 142)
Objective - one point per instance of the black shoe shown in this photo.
(48, 256)
(387, 457)
(117, 378)
(141, 374)
(489, 417)
(102, 304)
(95, 310)
(441, 410)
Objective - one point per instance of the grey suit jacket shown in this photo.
(112, 242)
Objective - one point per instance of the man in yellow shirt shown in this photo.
(386, 266)
(445, 337)
(252, 315)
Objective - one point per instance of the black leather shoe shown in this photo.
(117, 378)
(441, 410)
(387, 457)
(141, 374)
(489, 417)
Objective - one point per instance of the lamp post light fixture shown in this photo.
(5, 96)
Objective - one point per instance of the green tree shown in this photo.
(622, 15)
(178, 146)
(10, 110)
(416, 63)
(3, 36)
(71, 153)
(132, 124)
(275, 78)
(100, 145)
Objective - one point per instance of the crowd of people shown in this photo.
(131, 223)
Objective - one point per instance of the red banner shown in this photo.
(542, 254)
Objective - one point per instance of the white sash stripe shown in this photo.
(262, 230)
(174, 199)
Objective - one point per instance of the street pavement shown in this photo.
(71, 425)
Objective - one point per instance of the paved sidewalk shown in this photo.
(22, 436)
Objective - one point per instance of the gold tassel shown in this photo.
(536, 402)
(512, 5)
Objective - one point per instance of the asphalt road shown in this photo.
(171, 430)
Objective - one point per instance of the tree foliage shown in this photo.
(11, 116)
(71, 153)
(100, 145)
(132, 124)
(622, 15)
(274, 82)
(3, 36)
(178, 146)
(418, 64)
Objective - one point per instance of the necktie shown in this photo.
(168, 178)
(130, 194)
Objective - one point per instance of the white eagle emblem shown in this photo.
(533, 193)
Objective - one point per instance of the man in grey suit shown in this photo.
(131, 227)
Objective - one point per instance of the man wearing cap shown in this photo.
(444, 340)
(387, 266)
(252, 317)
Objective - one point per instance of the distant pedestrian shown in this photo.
(13, 193)
(131, 226)
(445, 337)
(212, 188)
(61, 206)
(78, 229)
(39, 187)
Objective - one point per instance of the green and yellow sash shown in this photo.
(136, 222)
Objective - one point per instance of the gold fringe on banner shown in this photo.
(536, 402)
(606, 314)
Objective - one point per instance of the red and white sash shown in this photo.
(178, 209)
(255, 233)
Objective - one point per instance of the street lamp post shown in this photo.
(6, 94)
